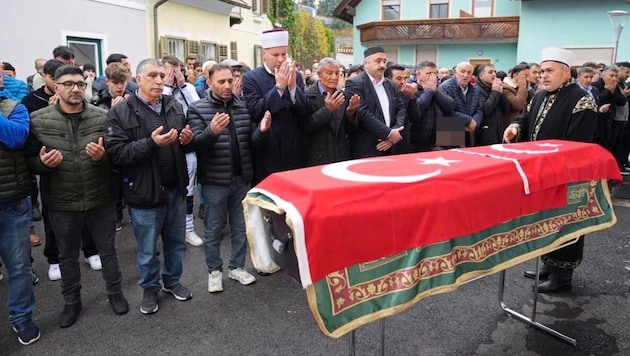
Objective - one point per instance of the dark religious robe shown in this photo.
(568, 113)
(283, 150)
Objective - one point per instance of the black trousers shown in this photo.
(101, 224)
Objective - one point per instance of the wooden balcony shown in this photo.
(453, 30)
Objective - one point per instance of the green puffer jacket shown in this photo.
(77, 183)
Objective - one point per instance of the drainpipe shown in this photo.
(156, 37)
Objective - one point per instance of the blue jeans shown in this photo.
(222, 200)
(169, 222)
(15, 250)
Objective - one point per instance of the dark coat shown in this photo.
(494, 105)
(214, 152)
(283, 150)
(573, 116)
(325, 132)
(371, 122)
(77, 183)
(432, 105)
(128, 141)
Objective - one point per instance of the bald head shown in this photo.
(463, 73)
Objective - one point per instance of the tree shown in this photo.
(311, 41)
(310, 3)
(327, 7)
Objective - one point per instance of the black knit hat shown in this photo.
(372, 50)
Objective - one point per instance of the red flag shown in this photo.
(357, 211)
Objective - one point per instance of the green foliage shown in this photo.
(330, 37)
(308, 38)
(327, 7)
(311, 40)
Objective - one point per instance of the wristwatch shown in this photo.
(280, 87)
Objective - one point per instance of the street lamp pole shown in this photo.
(618, 18)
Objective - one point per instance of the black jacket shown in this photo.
(325, 132)
(214, 152)
(372, 127)
(103, 99)
(128, 142)
(432, 106)
(494, 105)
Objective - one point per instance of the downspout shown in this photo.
(156, 38)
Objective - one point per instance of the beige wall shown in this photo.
(247, 34)
(181, 21)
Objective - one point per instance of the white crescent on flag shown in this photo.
(501, 148)
(341, 171)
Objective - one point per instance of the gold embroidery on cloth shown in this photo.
(585, 103)
(344, 294)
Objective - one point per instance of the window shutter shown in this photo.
(163, 46)
(264, 7)
(192, 49)
(223, 52)
(234, 51)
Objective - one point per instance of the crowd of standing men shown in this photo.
(100, 144)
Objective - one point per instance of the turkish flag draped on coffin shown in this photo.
(357, 211)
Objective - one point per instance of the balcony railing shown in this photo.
(477, 29)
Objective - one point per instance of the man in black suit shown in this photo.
(381, 112)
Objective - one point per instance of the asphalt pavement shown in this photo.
(272, 317)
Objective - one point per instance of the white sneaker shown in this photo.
(215, 281)
(54, 273)
(193, 239)
(242, 276)
(95, 262)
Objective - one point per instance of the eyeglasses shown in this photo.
(70, 85)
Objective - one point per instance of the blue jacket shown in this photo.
(468, 107)
(16, 87)
(14, 129)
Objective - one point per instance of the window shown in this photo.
(391, 9)
(173, 46)
(258, 60)
(223, 53)
(208, 51)
(264, 7)
(482, 8)
(234, 51)
(438, 9)
(86, 50)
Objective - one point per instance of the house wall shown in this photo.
(502, 55)
(209, 26)
(120, 24)
(247, 34)
(576, 24)
(370, 10)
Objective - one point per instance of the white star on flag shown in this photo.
(549, 145)
(441, 161)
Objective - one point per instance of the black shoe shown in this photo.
(201, 213)
(149, 301)
(542, 276)
(119, 303)
(36, 213)
(178, 291)
(69, 314)
(35, 278)
(27, 332)
(118, 225)
(553, 287)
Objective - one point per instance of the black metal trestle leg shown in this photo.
(531, 321)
